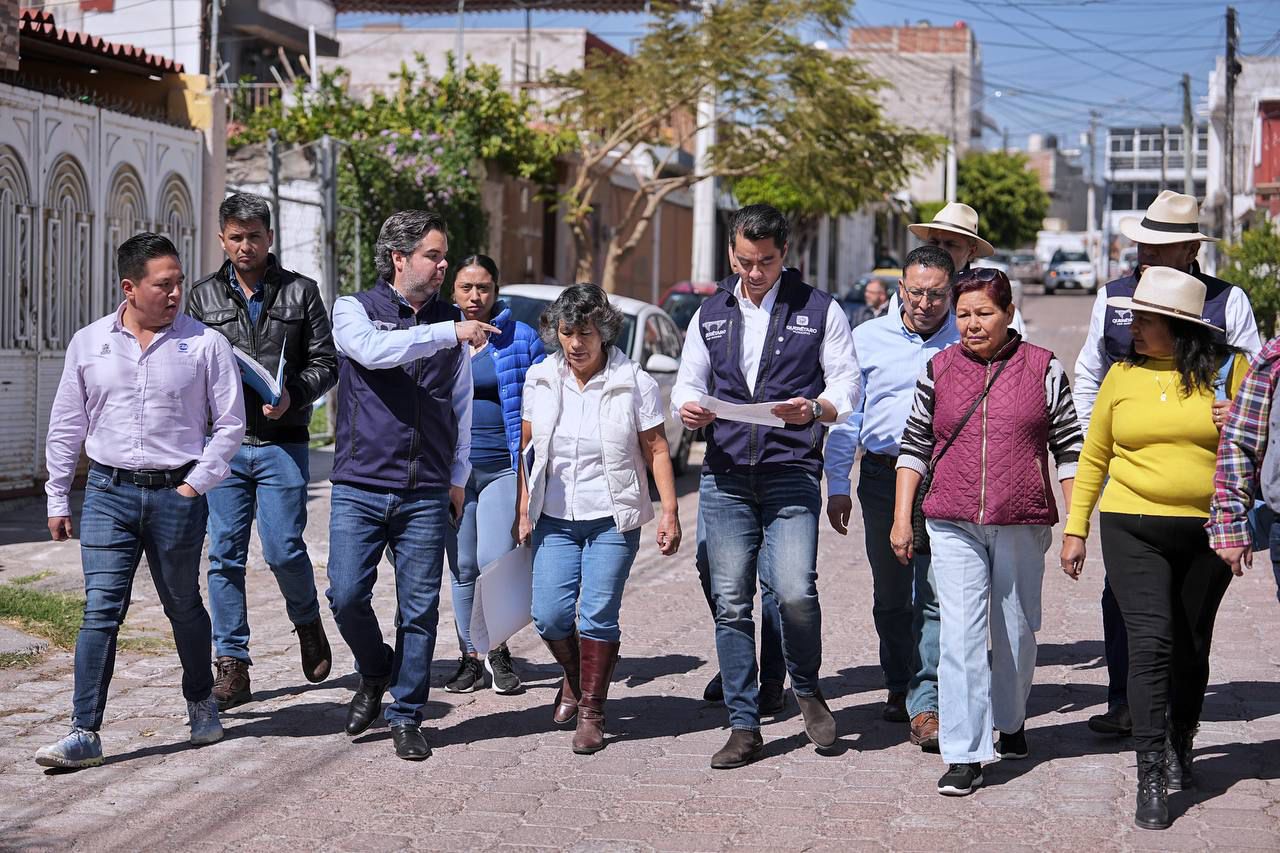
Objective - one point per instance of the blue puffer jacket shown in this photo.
(514, 351)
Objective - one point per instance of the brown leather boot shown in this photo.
(598, 660)
(230, 682)
(566, 654)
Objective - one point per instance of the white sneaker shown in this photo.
(203, 719)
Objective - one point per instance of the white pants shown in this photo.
(987, 578)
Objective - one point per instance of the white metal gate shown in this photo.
(75, 182)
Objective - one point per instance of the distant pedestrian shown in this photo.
(400, 465)
(1168, 235)
(990, 514)
(489, 510)
(154, 398)
(766, 336)
(268, 313)
(1155, 434)
(892, 353)
(875, 303)
(594, 424)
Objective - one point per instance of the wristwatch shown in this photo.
(816, 409)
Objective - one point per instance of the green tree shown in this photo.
(1007, 195)
(802, 122)
(425, 145)
(1254, 265)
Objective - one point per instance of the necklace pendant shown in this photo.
(1164, 398)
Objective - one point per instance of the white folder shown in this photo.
(503, 600)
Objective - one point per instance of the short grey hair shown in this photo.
(580, 306)
(402, 232)
(246, 208)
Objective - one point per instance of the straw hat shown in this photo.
(1171, 218)
(958, 219)
(1164, 290)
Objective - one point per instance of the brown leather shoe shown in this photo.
(743, 747)
(924, 730)
(231, 683)
(597, 662)
(566, 703)
(317, 659)
(819, 725)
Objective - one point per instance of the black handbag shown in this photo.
(919, 535)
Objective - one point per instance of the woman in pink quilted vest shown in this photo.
(986, 416)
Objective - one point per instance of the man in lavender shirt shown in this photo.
(139, 390)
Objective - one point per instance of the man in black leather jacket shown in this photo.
(263, 310)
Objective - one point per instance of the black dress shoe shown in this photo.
(714, 691)
(773, 698)
(365, 705)
(744, 746)
(1117, 721)
(409, 741)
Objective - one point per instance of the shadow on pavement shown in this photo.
(1083, 654)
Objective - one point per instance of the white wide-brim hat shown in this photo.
(1171, 218)
(1164, 290)
(958, 219)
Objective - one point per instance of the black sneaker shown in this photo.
(1012, 746)
(505, 680)
(469, 677)
(960, 780)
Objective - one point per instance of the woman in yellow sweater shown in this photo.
(1154, 432)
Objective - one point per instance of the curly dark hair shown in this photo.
(580, 306)
(1198, 354)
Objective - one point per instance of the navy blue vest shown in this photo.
(790, 366)
(1116, 338)
(396, 428)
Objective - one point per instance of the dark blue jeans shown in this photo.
(409, 525)
(269, 483)
(119, 523)
(904, 602)
(1275, 553)
(763, 525)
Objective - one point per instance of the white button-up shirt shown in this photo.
(576, 487)
(839, 362)
(145, 410)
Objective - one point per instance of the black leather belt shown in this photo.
(884, 459)
(154, 478)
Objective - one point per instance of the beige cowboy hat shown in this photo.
(1164, 290)
(1171, 218)
(958, 219)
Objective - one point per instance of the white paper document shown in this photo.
(503, 600)
(747, 413)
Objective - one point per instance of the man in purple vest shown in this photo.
(1167, 236)
(765, 337)
(400, 465)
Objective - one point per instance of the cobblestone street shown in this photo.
(287, 777)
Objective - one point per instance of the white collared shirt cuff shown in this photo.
(59, 505)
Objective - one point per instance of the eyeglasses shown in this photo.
(933, 296)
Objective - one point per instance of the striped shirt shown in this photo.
(1065, 438)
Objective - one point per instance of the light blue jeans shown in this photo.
(988, 580)
(580, 567)
(483, 535)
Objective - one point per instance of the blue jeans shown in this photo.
(490, 508)
(904, 604)
(119, 523)
(772, 666)
(410, 525)
(269, 483)
(763, 525)
(580, 566)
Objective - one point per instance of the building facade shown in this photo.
(1142, 161)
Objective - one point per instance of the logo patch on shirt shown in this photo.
(800, 325)
(1123, 317)
(106, 350)
(183, 346)
(713, 329)
(385, 326)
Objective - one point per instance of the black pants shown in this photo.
(1168, 583)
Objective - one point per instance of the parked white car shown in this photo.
(649, 337)
(1070, 269)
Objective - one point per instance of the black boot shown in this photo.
(1153, 794)
(1177, 751)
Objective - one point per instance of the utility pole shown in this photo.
(215, 12)
(273, 161)
(1091, 203)
(1233, 71)
(1188, 138)
(951, 143)
(1164, 156)
(704, 191)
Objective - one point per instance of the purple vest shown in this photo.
(997, 471)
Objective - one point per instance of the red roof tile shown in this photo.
(39, 24)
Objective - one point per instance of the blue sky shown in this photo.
(1053, 60)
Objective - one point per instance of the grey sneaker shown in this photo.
(79, 748)
(203, 719)
(503, 672)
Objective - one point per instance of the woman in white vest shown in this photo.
(594, 423)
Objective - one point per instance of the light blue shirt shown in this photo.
(891, 357)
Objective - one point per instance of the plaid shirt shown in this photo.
(1240, 450)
